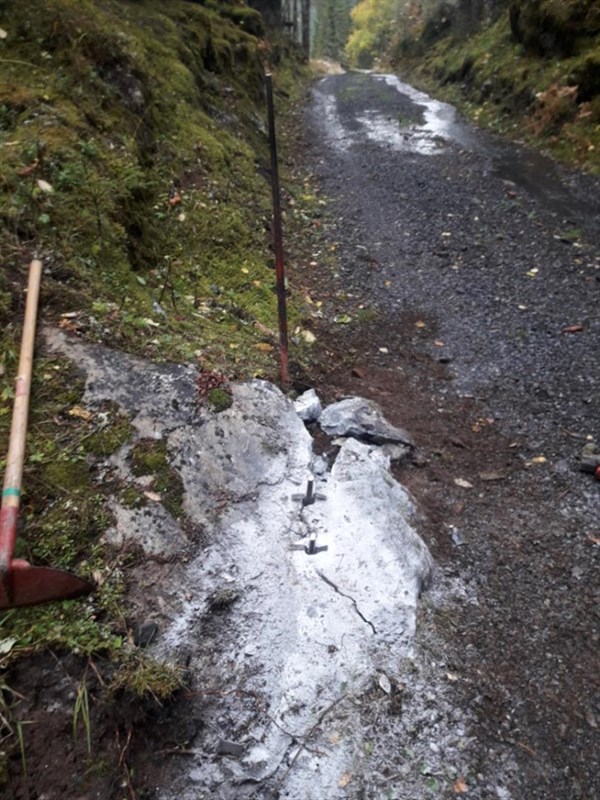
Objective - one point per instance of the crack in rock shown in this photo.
(348, 597)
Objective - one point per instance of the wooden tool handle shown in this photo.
(11, 495)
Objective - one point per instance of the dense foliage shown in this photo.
(531, 65)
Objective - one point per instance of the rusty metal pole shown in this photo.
(277, 235)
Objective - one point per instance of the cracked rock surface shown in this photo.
(283, 643)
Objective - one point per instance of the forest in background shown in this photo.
(526, 66)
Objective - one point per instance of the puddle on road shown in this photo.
(442, 127)
(441, 124)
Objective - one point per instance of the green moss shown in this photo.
(220, 400)
(150, 457)
(120, 107)
(143, 677)
(110, 436)
(492, 78)
(131, 497)
(123, 105)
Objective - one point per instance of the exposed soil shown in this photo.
(464, 349)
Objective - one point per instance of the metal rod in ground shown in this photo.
(277, 235)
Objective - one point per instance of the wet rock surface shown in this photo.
(296, 614)
(477, 282)
(362, 419)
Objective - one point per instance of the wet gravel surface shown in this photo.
(475, 283)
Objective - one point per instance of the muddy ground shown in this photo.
(460, 266)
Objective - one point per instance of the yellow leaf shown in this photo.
(420, 324)
(264, 347)
(539, 460)
(345, 780)
(245, 270)
(80, 413)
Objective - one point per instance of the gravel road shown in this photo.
(477, 265)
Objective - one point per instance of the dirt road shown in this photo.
(468, 305)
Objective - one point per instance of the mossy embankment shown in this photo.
(134, 162)
(532, 71)
(132, 159)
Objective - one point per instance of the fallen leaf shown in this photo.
(532, 272)
(156, 498)
(3, 33)
(438, 343)
(539, 460)
(420, 324)
(44, 186)
(25, 171)
(245, 270)
(175, 200)
(67, 325)
(462, 483)
(491, 476)
(264, 329)
(452, 676)
(80, 413)
(6, 645)
(357, 372)
(460, 787)
(573, 329)
(387, 284)
(342, 319)
(384, 683)
(264, 347)
(383, 350)
(345, 780)
(308, 336)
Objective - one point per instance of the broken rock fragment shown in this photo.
(362, 419)
(308, 406)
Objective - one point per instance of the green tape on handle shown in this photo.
(11, 492)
